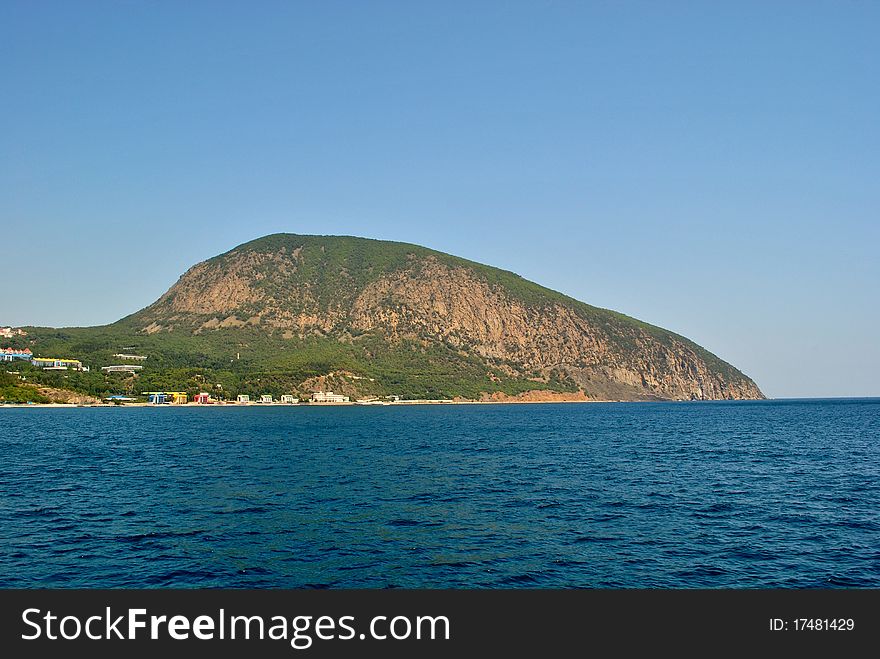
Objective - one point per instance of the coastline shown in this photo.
(349, 404)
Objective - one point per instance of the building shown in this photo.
(328, 397)
(243, 398)
(203, 398)
(266, 398)
(53, 364)
(289, 400)
(163, 397)
(122, 368)
(133, 358)
(8, 354)
(9, 332)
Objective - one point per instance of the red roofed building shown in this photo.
(8, 354)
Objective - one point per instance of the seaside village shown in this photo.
(131, 364)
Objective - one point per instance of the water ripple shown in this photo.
(780, 494)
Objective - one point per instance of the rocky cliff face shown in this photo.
(454, 305)
(349, 288)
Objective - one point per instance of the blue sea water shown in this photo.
(657, 495)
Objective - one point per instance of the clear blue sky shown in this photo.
(711, 168)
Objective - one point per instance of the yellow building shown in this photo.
(161, 397)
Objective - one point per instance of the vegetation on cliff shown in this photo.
(13, 390)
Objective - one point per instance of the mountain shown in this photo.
(289, 313)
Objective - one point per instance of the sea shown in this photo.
(739, 494)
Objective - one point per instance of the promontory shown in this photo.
(290, 314)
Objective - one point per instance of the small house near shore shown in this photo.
(165, 397)
(328, 397)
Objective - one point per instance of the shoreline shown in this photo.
(349, 404)
(353, 404)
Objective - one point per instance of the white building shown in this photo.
(9, 332)
(328, 397)
(288, 399)
(52, 364)
(121, 368)
(266, 398)
(243, 398)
